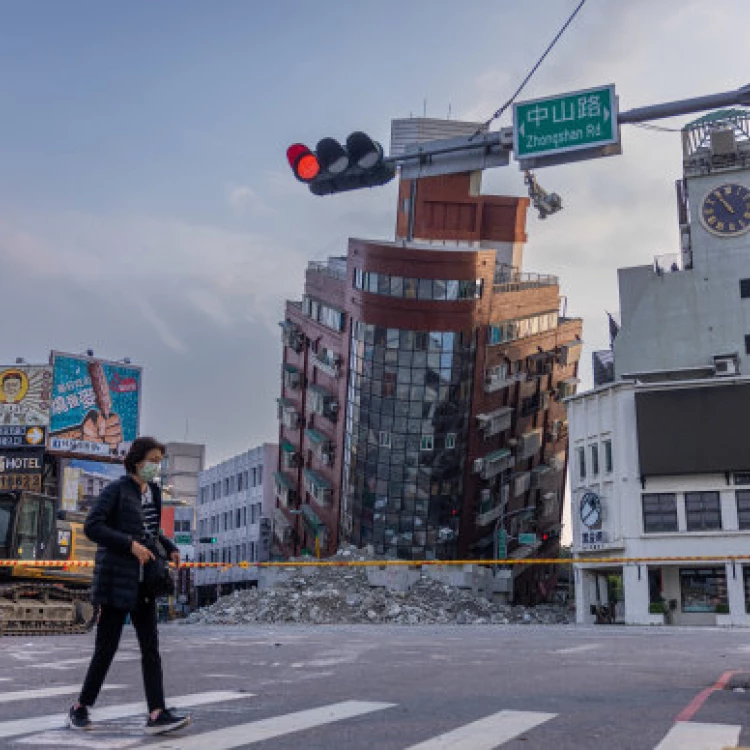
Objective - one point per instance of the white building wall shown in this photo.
(242, 484)
(609, 413)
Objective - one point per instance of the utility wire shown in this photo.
(658, 128)
(510, 101)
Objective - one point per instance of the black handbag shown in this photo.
(157, 577)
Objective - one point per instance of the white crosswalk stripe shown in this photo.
(487, 733)
(490, 732)
(17, 727)
(49, 692)
(266, 729)
(691, 735)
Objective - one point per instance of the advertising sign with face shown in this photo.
(25, 395)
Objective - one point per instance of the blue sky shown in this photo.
(146, 208)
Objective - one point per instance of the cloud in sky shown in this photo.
(146, 208)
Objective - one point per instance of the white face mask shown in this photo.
(148, 471)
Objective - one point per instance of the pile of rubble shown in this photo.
(349, 595)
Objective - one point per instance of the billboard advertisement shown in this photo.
(25, 396)
(95, 406)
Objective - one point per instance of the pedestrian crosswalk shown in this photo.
(689, 735)
(120, 726)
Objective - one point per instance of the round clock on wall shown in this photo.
(725, 210)
(591, 509)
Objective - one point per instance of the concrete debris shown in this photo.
(333, 595)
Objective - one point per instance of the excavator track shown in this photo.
(45, 609)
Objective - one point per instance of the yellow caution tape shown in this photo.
(394, 563)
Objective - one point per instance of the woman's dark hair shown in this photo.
(138, 450)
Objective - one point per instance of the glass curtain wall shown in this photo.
(407, 417)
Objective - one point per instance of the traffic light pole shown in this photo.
(502, 140)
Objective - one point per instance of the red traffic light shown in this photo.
(303, 162)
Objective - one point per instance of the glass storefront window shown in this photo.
(703, 589)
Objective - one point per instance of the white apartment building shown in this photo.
(659, 465)
(234, 512)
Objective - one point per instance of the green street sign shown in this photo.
(568, 122)
(527, 539)
(502, 544)
(183, 538)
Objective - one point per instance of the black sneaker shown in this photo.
(78, 718)
(165, 722)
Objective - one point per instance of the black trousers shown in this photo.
(108, 634)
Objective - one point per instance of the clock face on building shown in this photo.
(591, 509)
(725, 211)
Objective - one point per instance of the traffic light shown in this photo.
(334, 168)
(550, 536)
(207, 540)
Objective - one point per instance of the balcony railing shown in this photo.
(329, 368)
(672, 263)
(333, 271)
(508, 279)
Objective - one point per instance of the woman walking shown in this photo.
(125, 515)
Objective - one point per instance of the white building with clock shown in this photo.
(659, 459)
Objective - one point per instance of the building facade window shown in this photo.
(744, 288)
(743, 509)
(416, 386)
(703, 589)
(608, 465)
(328, 316)
(384, 439)
(511, 330)
(702, 511)
(594, 460)
(450, 441)
(427, 443)
(411, 288)
(659, 512)
(581, 453)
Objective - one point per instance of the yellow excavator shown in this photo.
(37, 600)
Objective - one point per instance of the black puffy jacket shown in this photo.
(114, 521)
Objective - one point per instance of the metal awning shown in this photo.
(283, 480)
(315, 436)
(570, 381)
(320, 390)
(319, 481)
(501, 412)
(288, 447)
(311, 518)
(290, 368)
(541, 469)
(285, 403)
(497, 455)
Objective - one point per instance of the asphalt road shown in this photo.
(396, 688)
